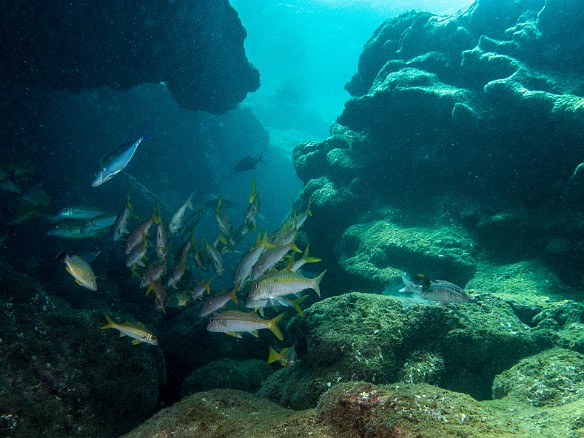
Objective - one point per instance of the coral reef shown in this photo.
(195, 48)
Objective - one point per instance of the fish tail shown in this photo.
(253, 193)
(190, 201)
(317, 281)
(309, 259)
(296, 305)
(61, 256)
(273, 326)
(110, 323)
(233, 293)
(294, 248)
(207, 285)
(274, 356)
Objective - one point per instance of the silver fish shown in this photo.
(97, 224)
(178, 217)
(281, 284)
(118, 162)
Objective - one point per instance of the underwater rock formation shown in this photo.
(359, 409)
(468, 124)
(552, 378)
(60, 375)
(374, 338)
(195, 48)
(229, 413)
(243, 375)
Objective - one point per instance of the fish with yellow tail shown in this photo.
(138, 332)
(286, 356)
(272, 287)
(235, 322)
(80, 270)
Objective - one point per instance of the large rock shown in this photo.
(60, 375)
(195, 47)
(457, 123)
(374, 338)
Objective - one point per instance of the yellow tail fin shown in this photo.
(110, 323)
(273, 325)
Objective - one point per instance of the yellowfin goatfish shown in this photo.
(176, 222)
(118, 161)
(233, 322)
(280, 284)
(270, 258)
(80, 270)
(137, 331)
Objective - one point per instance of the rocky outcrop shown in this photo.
(60, 375)
(377, 339)
(468, 124)
(194, 47)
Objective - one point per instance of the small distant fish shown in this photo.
(138, 332)
(434, 290)
(160, 295)
(179, 300)
(118, 161)
(98, 224)
(9, 184)
(216, 258)
(211, 305)
(234, 322)
(152, 274)
(286, 356)
(200, 289)
(80, 213)
(24, 213)
(37, 195)
(138, 234)
(121, 222)
(178, 217)
(72, 231)
(80, 270)
(136, 255)
(161, 240)
(213, 199)
(248, 163)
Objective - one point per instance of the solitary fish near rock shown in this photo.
(248, 163)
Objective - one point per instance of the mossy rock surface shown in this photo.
(244, 375)
(374, 338)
